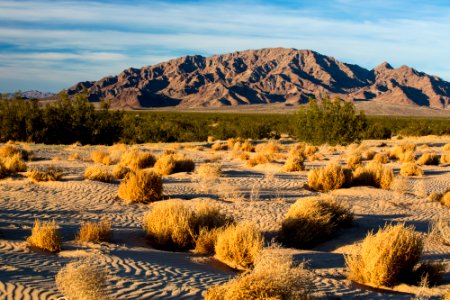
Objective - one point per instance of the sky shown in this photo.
(50, 45)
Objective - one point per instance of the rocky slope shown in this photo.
(264, 76)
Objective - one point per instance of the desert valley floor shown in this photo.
(261, 194)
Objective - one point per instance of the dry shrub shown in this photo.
(445, 159)
(218, 146)
(445, 200)
(407, 156)
(411, 169)
(231, 142)
(387, 257)
(48, 174)
(446, 147)
(119, 147)
(381, 158)
(141, 186)
(404, 153)
(434, 196)
(210, 139)
(173, 163)
(13, 163)
(316, 156)
(373, 174)
(423, 147)
(83, 281)
(173, 225)
(440, 230)
(312, 220)
(328, 178)
(353, 161)
(95, 232)
(239, 245)
(3, 171)
(368, 154)
(101, 156)
(209, 171)
(135, 159)
(205, 241)
(74, 156)
(98, 173)
(45, 236)
(247, 146)
(9, 150)
(259, 159)
(294, 164)
(269, 148)
(310, 150)
(120, 171)
(274, 277)
(428, 159)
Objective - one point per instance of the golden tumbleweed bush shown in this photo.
(141, 186)
(98, 173)
(101, 156)
(386, 257)
(312, 220)
(239, 245)
(83, 281)
(173, 163)
(45, 236)
(95, 232)
(428, 159)
(410, 169)
(274, 277)
(330, 177)
(373, 174)
(48, 174)
(136, 159)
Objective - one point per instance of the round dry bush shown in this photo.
(269, 148)
(294, 164)
(445, 200)
(141, 186)
(310, 150)
(48, 174)
(218, 146)
(407, 156)
(312, 220)
(411, 169)
(239, 245)
(174, 225)
(205, 241)
(387, 257)
(247, 146)
(353, 161)
(446, 147)
(120, 171)
(428, 159)
(173, 163)
(14, 163)
(445, 159)
(373, 174)
(101, 156)
(274, 277)
(325, 179)
(98, 173)
(45, 236)
(95, 232)
(9, 150)
(209, 171)
(381, 158)
(259, 159)
(368, 154)
(135, 159)
(83, 281)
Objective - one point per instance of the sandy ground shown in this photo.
(262, 194)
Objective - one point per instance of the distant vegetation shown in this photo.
(66, 121)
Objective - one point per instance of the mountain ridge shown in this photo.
(268, 75)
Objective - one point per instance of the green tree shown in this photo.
(330, 121)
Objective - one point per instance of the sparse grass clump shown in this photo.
(135, 159)
(141, 186)
(98, 173)
(330, 177)
(82, 281)
(48, 174)
(411, 169)
(173, 225)
(440, 229)
(373, 174)
(428, 159)
(173, 163)
(45, 236)
(95, 232)
(101, 156)
(274, 277)
(387, 257)
(239, 245)
(312, 220)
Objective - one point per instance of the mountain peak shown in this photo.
(262, 76)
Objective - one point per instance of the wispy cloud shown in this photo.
(72, 41)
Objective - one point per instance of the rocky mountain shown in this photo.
(263, 76)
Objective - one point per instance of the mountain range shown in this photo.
(270, 75)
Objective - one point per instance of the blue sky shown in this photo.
(50, 45)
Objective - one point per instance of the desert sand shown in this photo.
(261, 194)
